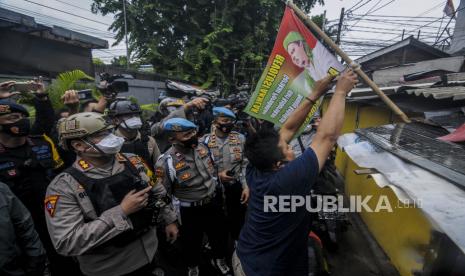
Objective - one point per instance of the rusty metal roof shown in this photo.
(448, 92)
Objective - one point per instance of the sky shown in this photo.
(368, 26)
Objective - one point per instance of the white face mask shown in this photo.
(111, 144)
(132, 123)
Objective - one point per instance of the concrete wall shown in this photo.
(24, 54)
(146, 92)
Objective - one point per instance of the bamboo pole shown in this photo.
(349, 61)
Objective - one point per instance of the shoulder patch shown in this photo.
(84, 165)
(50, 203)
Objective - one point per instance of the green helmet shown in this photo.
(81, 125)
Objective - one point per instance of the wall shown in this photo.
(24, 54)
(146, 92)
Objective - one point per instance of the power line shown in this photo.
(53, 20)
(383, 6)
(366, 13)
(55, 9)
(431, 22)
(350, 9)
(71, 5)
(368, 1)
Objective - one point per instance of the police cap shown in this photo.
(223, 112)
(178, 125)
(8, 107)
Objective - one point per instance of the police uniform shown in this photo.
(144, 146)
(189, 175)
(27, 170)
(86, 220)
(228, 154)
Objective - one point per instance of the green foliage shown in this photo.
(149, 107)
(120, 61)
(133, 99)
(148, 110)
(200, 40)
(97, 61)
(66, 81)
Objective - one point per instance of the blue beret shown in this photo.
(178, 125)
(7, 107)
(223, 112)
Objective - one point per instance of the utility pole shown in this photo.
(234, 70)
(323, 24)
(339, 27)
(126, 33)
(418, 36)
(403, 33)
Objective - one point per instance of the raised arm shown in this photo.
(297, 118)
(331, 123)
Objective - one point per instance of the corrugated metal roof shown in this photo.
(438, 93)
(26, 24)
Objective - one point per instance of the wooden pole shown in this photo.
(349, 61)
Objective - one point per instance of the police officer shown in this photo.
(103, 209)
(27, 165)
(188, 173)
(227, 149)
(171, 108)
(126, 115)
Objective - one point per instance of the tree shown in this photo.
(200, 40)
(119, 61)
(66, 81)
(97, 61)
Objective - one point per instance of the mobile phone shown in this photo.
(85, 94)
(24, 87)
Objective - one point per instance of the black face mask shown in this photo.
(20, 128)
(226, 128)
(192, 143)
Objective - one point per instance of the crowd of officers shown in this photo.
(96, 189)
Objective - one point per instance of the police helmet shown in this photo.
(81, 125)
(165, 103)
(123, 107)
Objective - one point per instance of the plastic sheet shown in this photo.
(441, 201)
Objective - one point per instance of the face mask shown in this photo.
(193, 142)
(132, 123)
(226, 128)
(19, 128)
(111, 144)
